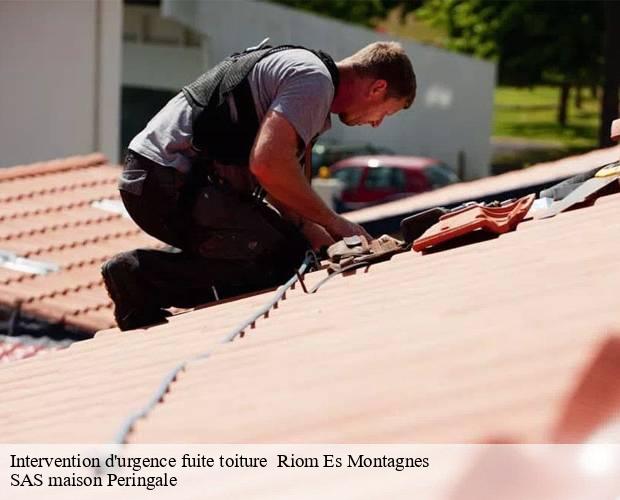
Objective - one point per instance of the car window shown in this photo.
(326, 154)
(350, 177)
(440, 175)
(385, 178)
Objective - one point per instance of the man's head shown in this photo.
(376, 82)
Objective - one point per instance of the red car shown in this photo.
(369, 180)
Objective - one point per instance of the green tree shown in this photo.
(533, 41)
(572, 43)
(364, 12)
(610, 102)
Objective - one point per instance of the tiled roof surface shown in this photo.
(46, 215)
(16, 348)
(481, 188)
(464, 345)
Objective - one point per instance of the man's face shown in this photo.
(371, 106)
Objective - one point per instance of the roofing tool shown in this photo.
(356, 250)
(588, 190)
(609, 170)
(492, 219)
(562, 189)
(414, 226)
(539, 204)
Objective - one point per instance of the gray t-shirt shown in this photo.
(294, 83)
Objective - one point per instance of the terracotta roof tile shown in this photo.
(501, 338)
(46, 216)
(497, 220)
(17, 348)
(49, 167)
(488, 339)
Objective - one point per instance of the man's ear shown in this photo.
(378, 88)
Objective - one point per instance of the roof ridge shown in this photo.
(53, 166)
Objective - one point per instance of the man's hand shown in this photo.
(316, 235)
(341, 227)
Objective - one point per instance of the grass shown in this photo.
(529, 116)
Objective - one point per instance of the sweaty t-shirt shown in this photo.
(294, 83)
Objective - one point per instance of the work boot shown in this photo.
(131, 309)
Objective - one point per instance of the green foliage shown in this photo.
(364, 12)
(532, 41)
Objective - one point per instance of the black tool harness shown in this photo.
(225, 123)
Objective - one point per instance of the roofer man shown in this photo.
(197, 176)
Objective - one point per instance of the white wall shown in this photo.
(453, 109)
(159, 53)
(143, 63)
(60, 78)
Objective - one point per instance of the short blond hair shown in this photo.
(387, 61)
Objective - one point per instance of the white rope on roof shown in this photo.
(169, 378)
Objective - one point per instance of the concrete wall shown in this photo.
(60, 67)
(453, 110)
(159, 53)
(143, 64)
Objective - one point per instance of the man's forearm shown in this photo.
(292, 192)
(285, 212)
(273, 163)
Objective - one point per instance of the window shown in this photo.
(350, 177)
(440, 175)
(379, 178)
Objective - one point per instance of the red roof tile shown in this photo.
(496, 220)
(16, 348)
(503, 338)
(490, 339)
(46, 215)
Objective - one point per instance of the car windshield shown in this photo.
(350, 177)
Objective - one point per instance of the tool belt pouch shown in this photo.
(357, 250)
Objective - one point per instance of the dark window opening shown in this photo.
(139, 105)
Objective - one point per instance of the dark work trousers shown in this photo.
(235, 243)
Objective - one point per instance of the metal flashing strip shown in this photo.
(584, 192)
(113, 206)
(11, 261)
